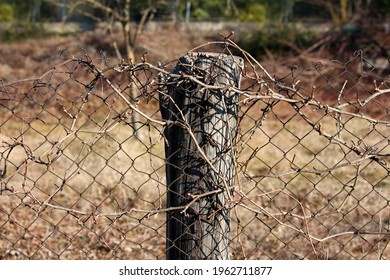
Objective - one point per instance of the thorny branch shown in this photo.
(106, 89)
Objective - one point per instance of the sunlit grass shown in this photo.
(293, 178)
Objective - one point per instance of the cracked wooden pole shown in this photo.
(201, 110)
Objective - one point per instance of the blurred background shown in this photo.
(269, 30)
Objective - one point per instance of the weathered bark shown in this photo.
(200, 154)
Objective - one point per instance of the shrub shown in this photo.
(201, 14)
(15, 32)
(279, 39)
(254, 13)
(6, 12)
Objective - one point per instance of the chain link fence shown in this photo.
(311, 161)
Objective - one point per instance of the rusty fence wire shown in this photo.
(312, 156)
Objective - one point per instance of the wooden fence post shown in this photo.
(201, 110)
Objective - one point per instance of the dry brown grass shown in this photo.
(114, 172)
(283, 183)
(102, 175)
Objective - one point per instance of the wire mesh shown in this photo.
(311, 161)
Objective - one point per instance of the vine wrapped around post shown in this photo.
(201, 111)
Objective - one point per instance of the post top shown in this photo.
(223, 56)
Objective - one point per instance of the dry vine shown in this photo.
(312, 163)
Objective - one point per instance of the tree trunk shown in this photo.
(133, 90)
(200, 154)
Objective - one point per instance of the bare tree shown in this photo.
(112, 12)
